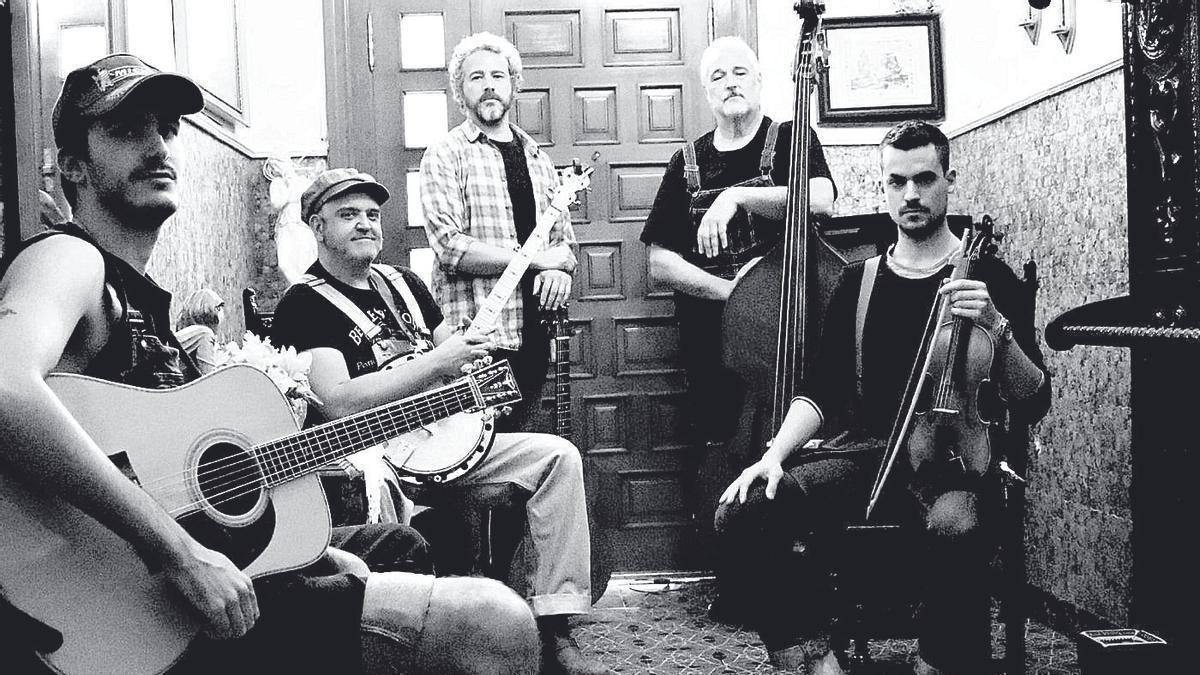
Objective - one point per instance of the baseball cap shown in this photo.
(99, 88)
(336, 182)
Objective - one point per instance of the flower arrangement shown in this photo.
(287, 369)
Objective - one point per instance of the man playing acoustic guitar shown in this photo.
(78, 301)
(356, 317)
(871, 334)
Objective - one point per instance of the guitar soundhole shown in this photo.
(229, 479)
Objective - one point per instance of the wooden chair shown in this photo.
(257, 321)
(868, 601)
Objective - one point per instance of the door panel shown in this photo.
(611, 82)
(391, 98)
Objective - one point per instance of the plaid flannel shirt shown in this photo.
(464, 195)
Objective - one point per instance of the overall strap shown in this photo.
(397, 282)
(767, 161)
(691, 168)
(870, 269)
(346, 305)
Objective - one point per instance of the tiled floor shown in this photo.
(661, 628)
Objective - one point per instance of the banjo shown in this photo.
(443, 451)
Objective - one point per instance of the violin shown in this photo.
(944, 421)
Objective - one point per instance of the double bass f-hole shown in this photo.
(944, 421)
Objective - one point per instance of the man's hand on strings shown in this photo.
(969, 299)
(553, 288)
(764, 469)
(713, 235)
(461, 350)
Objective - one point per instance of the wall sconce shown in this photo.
(1065, 31)
(1032, 23)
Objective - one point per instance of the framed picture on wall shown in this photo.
(882, 69)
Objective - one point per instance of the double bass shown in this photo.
(766, 349)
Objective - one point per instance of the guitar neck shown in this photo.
(296, 455)
(489, 314)
(562, 379)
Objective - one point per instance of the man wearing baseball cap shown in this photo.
(77, 299)
(361, 321)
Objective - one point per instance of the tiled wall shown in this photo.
(221, 236)
(1053, 176)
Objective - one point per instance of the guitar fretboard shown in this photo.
(293, 456)
(489, 314)
(562, 383)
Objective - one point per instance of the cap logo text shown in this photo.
(109, 77)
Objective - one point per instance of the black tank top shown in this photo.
(141, 349)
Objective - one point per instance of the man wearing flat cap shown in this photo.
(359, 320)
(76, 299)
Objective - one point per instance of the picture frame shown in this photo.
(882, 69)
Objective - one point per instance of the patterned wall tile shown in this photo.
(1053, 176)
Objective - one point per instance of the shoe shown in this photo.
(723, 611)
(921, 667)
(561, 656)
(797, 659)
(827, 665)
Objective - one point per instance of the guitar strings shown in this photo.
(263, 465)
(410, 411)
(313, 461)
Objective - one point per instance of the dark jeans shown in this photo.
(814, 501)
(385, 547)
(529, 365)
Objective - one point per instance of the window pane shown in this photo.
(79, 46)
(424, 117)
(213, 48)
(420, 260)
(416, 215)
(150, 32)
(422, 41)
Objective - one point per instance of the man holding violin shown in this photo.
(853, 398)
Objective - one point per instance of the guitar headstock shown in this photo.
(495, 385)
(555, 319)
(573, 178)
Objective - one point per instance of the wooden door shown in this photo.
(389, 97)
(612, 83)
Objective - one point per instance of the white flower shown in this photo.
(287, 369)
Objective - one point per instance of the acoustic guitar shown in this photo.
(240, 477)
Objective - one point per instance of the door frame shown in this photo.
(26, 121)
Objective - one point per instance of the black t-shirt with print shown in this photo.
(305, 320)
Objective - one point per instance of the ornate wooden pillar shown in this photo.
(1160, 318)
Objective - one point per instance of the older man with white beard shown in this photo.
(720, 205)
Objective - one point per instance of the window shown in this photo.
(196, 37)
(261, 64)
